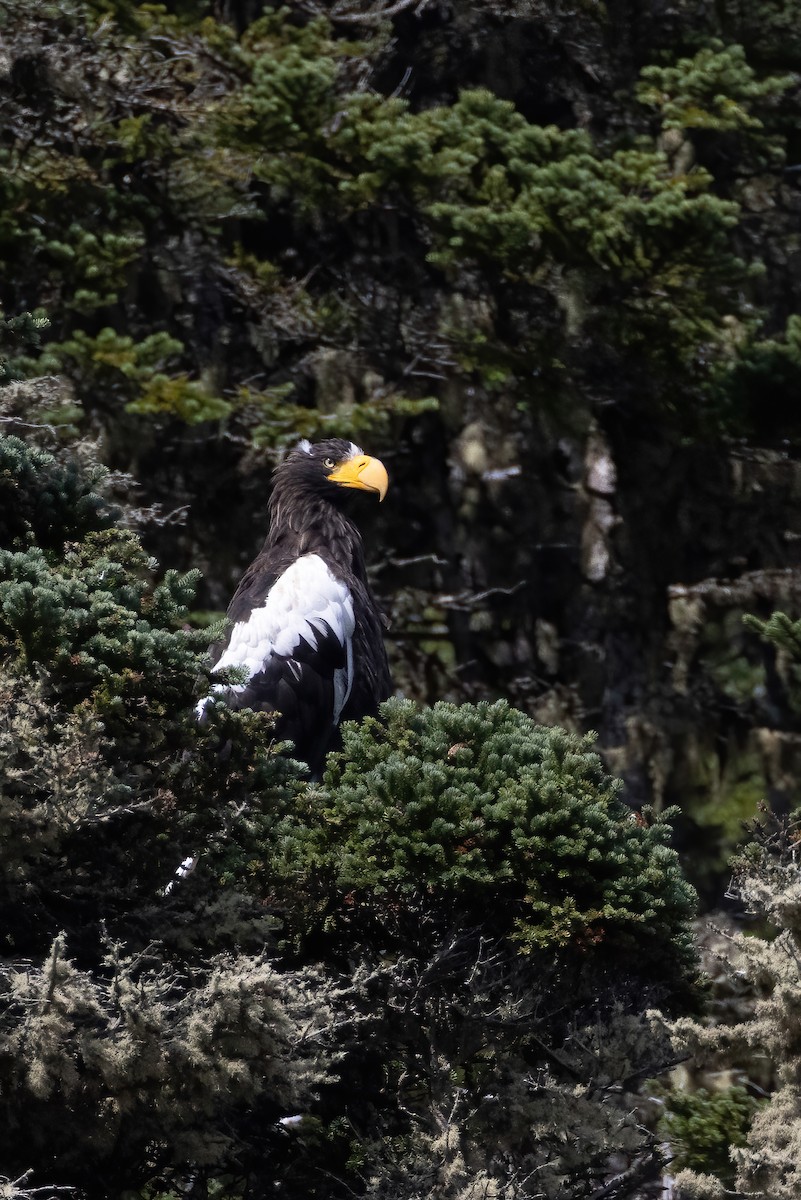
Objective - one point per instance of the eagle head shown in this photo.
(325, 468)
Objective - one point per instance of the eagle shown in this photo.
(304, 625)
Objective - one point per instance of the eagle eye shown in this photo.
(328, 463)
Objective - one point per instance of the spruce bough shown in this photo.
(464, 890)
(476, 808)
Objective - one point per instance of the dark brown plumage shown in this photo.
(305, 625)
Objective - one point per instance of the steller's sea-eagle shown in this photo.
(305, 625)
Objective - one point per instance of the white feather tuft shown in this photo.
(305, 445)
(305, 597)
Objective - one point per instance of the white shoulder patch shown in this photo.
(303, 604)
(305, 445)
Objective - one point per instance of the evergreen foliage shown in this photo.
(716, 89)
(766, 882)
(127, 1071)
(477, 811)
(43, 501)
(505, 223)
(102, 633)
(475, 232)
(770, 27)
(123, 1058)
(23, 330)
(426, 975)
(784, 634)
(702, 1126)
(279, 126)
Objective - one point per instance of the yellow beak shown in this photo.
(368, 474)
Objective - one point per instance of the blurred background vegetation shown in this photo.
(543, 258)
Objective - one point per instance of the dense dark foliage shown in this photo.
(355, 985)
(498, 823)
(751, 1136)
(542, 257)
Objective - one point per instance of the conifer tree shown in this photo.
(20, 332)
(766, 882)
(426, 975)
(505, 223)
(135, 1024)
(480, 870)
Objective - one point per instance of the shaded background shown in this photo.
(542, 258)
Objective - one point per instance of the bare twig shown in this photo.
(375, 16)
(465, 601)
(28, 424)
(433, 559)
(14, 1187)
(636, 1173)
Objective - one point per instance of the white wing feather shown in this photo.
(296, 607)
(301, 603)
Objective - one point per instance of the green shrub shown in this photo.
(20, 332)
(701, 1127)
(44, 501)
(136, 1024)
(715, 89)
(728, 1138)
(419, 943)
(476, 809)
